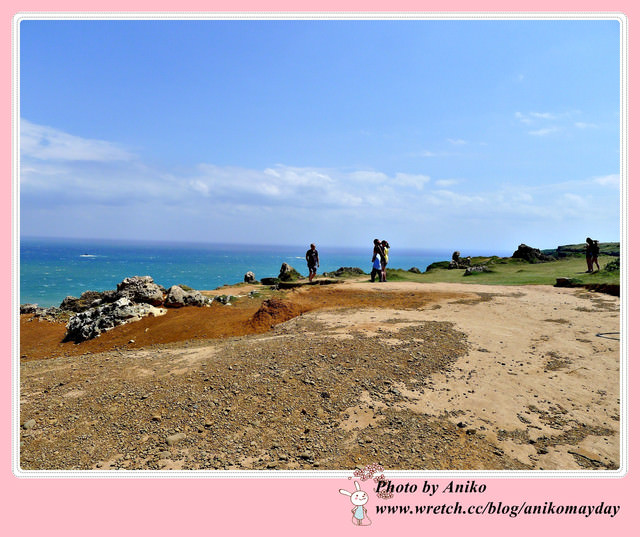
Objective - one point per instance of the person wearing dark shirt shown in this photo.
(313, 261)
(376, 259)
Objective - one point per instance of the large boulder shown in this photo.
(29, 308)
(141, 289)
(93, 322)
(178, 297)
(250, 277)
(476, 269)
(458, 262)
(531, 255)
(88, 299)
(288, 273)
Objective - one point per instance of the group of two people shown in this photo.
(593, 249)
(380, 259)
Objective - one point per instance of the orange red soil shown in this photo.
(42, 339)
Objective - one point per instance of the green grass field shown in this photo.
(508, 271)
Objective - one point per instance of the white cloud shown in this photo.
(575, 200)
(534, 117)
(271, 172)
(49, 144)
(434, 154)
(524, 119)
(369, 177)
(456, 141)
(268, 189)
(549, 122)
(200, 187)
(275, 195)
(415, 181)
(608, 180)
(447, 182)
(301, 187)
(297, 176)
(459, 199)
(544, 132)
(522, 197)
(543, 115)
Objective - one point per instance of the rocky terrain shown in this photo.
(332, 377)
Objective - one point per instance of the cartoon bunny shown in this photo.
(358, 498)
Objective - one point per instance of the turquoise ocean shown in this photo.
(51, 269)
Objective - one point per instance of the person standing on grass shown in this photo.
(313, 261)
(593, 249)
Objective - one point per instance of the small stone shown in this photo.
(175, 438)
(30, 424)
(592, 457)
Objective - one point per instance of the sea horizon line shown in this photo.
(499, 251)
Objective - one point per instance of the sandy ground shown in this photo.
(453, 376)
(543, 363)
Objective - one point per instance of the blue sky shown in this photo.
(437, 134)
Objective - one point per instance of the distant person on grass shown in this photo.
(313, 261)
(593, 249)
(376, 259)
